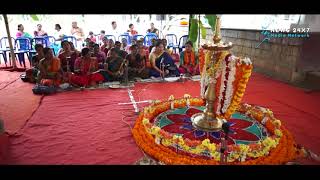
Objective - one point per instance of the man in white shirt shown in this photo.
(114, 31)
(77, 32)
(58, 34)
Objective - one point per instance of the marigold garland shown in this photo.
(279, 148)
(242, 77)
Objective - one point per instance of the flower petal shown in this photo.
(240, 124)
(175, 128)
(230, 140)
(192, 111)
(240, 134)
(215, 135)
(199, 133)
(187, 127)
(178, 118)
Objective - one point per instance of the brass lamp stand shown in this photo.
(207, 120)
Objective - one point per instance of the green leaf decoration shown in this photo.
(211, 20)
(193, 33)
(203, 31)
(34, 17)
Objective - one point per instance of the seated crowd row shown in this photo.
(95, 64)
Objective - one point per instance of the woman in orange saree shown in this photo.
(50, 69)
(188, 61)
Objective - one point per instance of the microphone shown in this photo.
(224, 140)
(162, 67)
(226, 129)
(161, 62)
(68, 64)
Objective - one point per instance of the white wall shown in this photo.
(258, 21)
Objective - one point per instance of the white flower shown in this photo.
(246, 60)
(222, 86)
(229, 88)
(264, 120)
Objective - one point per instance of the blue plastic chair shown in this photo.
(37, 40)
(111, 37)
(148, 38)
(126, 36)
(138, 37)
(32, 52)
(172, 41)
(51, 42)
(182, 41)
(23, 46)
(40, 40)
(71, 39)
(5, 48)
(2, 53)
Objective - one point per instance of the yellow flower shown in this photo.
(277, 123)
(186, 148)
(175, 137)
(216, 156)
(146, 110)
(166, 142)
(197, 150)
(246, 76)
(205, 142)
(244, 148)
(211, 147)
(250, 154)
(269, 143)
(171, 98)
(278, 132)
(181, 141)
(145, 121)
(230, 159)
(155, 130)
(154, 102)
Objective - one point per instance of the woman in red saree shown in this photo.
(110, 45)
(85, 69)
(188, 61)
(50, 69)
(67, 57)
(104, 46)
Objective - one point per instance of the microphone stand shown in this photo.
(68, 68)
(126, 78)
(163, 71)
(224, 147)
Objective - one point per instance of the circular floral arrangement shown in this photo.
(278, 147)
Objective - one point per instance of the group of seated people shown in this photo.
(109, 62)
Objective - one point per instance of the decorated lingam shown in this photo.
(218, 73)
(191, 130)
